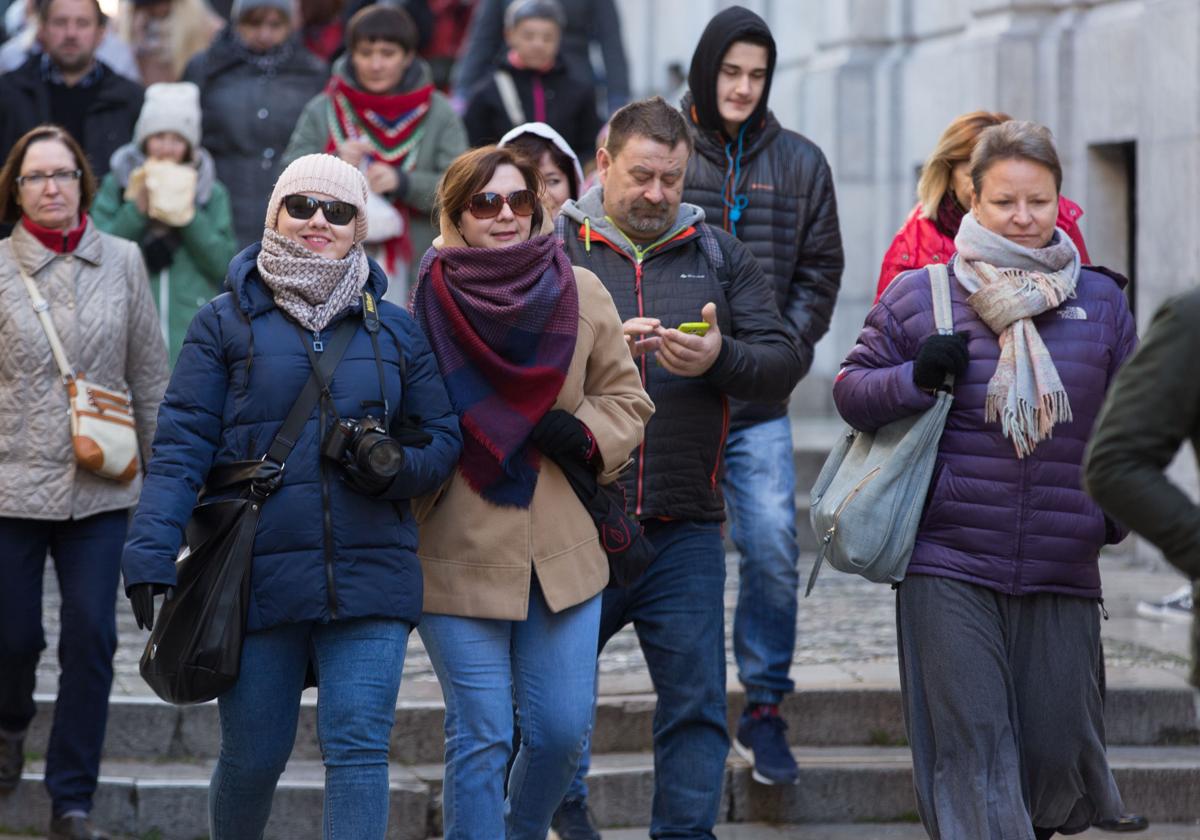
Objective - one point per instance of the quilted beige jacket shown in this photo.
(101, 306)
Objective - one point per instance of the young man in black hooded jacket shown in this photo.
(772, 189)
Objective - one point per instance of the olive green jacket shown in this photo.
(1152, 408)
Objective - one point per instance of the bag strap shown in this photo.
(508, 96)
(314, 388)
(943, 313)
(43, 313)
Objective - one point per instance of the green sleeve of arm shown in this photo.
(448, 143)
(209, 237)
(113, 214)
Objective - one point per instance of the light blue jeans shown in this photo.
(358, 663)
(549, 662)
(760, 498)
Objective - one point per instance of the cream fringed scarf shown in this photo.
(309, 288)
(1009, 285)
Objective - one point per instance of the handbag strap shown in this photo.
(43, 313)
(509, 97)
(943, 314)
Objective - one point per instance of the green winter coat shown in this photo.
(444, 140)
(197, 272)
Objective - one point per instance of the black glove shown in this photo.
(561, 433)
(365, 484)
(159, 247)
(141, 598)
(938, 356)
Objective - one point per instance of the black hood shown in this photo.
(729, 26)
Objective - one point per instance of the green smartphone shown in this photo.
(693, 327)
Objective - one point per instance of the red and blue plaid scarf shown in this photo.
(503, 324)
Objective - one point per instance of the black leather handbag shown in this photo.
(194, 652)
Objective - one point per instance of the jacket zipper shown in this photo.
(326, 512)
(721, 443)
(641, 471)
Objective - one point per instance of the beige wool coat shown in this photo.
(477, 557)
(101, 306)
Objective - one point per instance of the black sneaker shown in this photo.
(573, 822)
(12, 758)
(1124, 823)
(761, 741)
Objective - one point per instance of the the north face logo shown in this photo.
(1073, 313)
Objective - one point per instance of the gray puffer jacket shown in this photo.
(250, 105)
(105, 317)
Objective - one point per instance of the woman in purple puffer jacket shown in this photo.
(998, 617)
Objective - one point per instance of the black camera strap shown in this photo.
(315, 388)
(371, 322)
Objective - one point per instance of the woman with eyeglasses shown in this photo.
(537, 370)
(335, 582)
(100, 306)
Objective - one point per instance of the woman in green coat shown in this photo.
(162, 193)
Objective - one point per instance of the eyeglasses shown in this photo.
(487, 205)
(304, 207)
(38, 180)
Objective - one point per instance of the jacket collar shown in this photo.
(711, 144)
(34, 256)
(588, 213)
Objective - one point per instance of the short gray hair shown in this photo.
(1015, 140)
(527, 9)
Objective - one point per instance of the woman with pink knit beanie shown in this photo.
(336, 586)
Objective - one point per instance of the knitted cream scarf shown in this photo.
(1009, 285)
(309, 288)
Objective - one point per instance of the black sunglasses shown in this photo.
(304, 207)
(487, 205)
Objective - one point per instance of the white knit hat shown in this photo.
(322, 174)
(170, 106)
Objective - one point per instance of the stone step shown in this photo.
(169, 801)
(146, 729)
(878, 831)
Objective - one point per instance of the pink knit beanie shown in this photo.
(322, 174)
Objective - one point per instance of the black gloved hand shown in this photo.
(561, 433)
(365, 484)
(938, 356)
(141, 598)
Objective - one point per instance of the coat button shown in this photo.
(263, 113)
(70, 304)
(69, 258)
(268, 153)
(936, 258)
(904, 257)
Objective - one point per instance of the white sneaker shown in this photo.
(1176, 607)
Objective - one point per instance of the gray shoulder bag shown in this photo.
(868, 499)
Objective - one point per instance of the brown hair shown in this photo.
(468, 172)
(10, 211)
(382, 23)
(953, 147)
(652, 118)
(1015, 140)
(42, 7)
(533, 146)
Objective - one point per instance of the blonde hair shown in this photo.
(953, 147)
(190, 26)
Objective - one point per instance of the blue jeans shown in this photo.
(760, 497)
(358, 663)
(87, 559)
(677, 608)
(548, 661)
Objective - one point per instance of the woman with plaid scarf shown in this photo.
(538, 371)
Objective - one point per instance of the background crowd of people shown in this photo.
(544, 274)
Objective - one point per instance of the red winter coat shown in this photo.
(919, 243)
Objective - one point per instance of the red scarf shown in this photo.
(393, 124)
(59, 241)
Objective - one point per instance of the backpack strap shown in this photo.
(943, 314)
(508, 95)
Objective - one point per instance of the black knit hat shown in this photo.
(725, 29)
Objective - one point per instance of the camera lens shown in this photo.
(381, 456)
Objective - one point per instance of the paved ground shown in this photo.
(845, 630)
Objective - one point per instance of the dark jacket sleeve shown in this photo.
(875, 385)
(1152, 408)
(185, 442)
(819, 264)
(612, 50)
(426, 467)
(758, 358)
(481, 117)
(483, 41)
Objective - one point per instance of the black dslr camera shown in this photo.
(365, 446)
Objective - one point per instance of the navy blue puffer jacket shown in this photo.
(1015, 525)
(241, 368)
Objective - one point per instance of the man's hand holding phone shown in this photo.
(686, 352)
(641, 334)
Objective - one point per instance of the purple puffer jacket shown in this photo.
(1014, 525)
